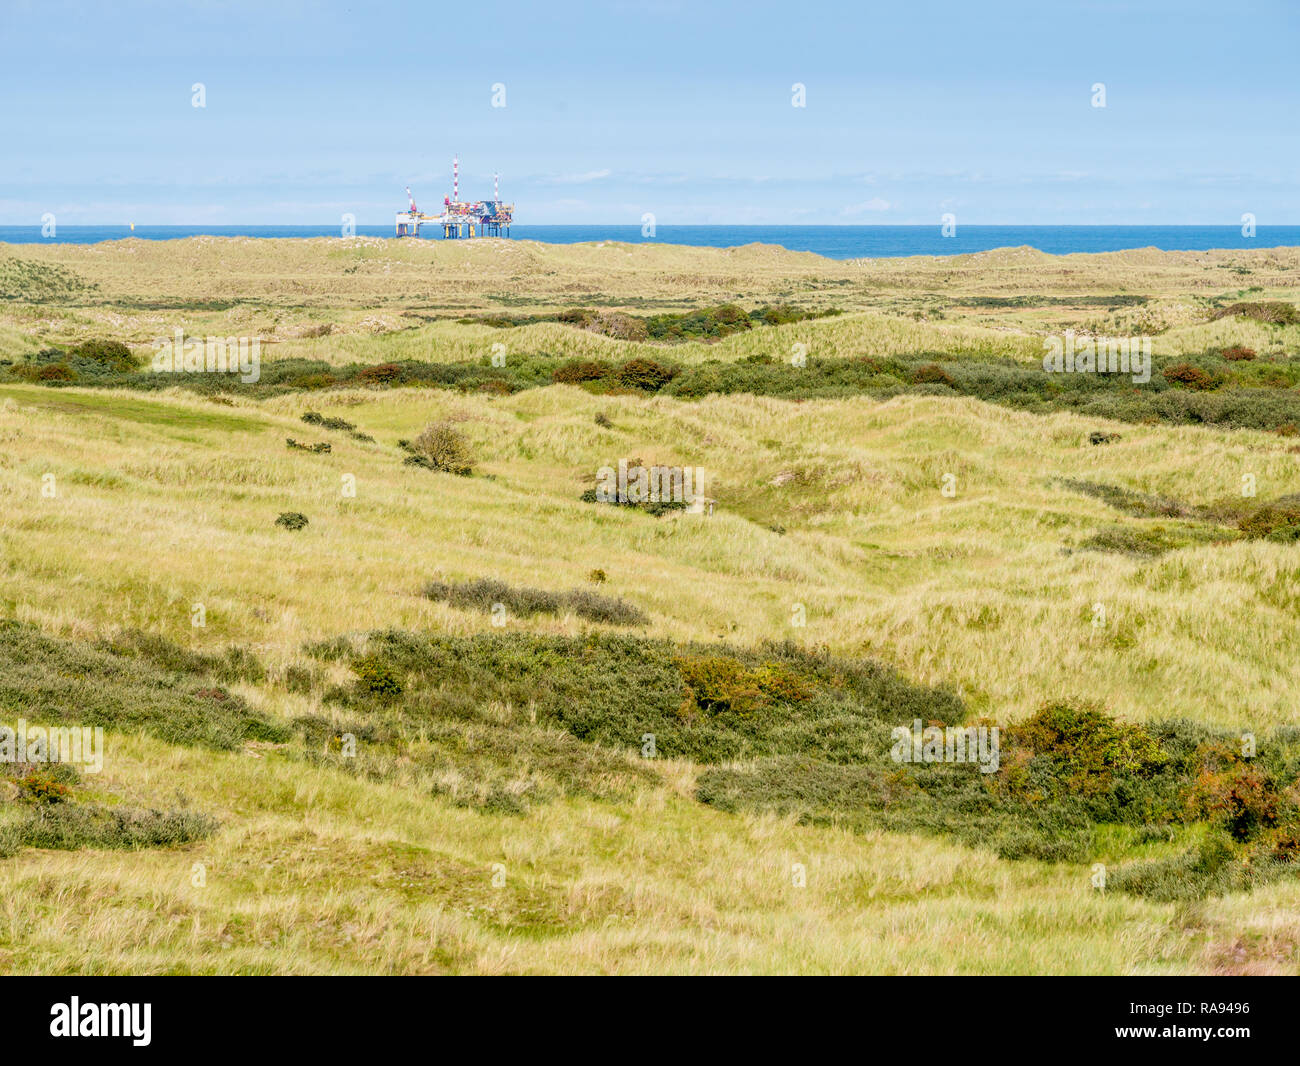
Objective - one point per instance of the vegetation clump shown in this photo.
(1278, 521)
(375, 676)
(111, 355)
(931, 374)
(294, 520)
(655, 508)
(1143, 543)
(67, 827)
(134, 682)
(578, 371)
(441, 446)
(645, 374)
(1067, 750)
(1191, 377)
(1273, 312)
(676, 327)
(314, 418)
(486, 594)
(1214, 390)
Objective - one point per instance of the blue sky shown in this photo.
(684, 110)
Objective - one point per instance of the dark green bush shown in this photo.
(578, 371)
(68, 827)
(313, 418)
(1274, 312)
(112, 355)
(645, 374)
(1276, 521)
(131, 685)
(484, 593)
(376, 676)
(322, 448)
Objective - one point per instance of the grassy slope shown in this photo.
(169, 500)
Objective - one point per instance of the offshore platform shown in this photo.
(460, 218)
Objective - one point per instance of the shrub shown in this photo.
(375, 676)
(313, 381)
(1234, 795)
(313, 418)
(141, 684)
(578, 371)
(655, 508)
(645, 374)
(618, 325)
(719, 684)
(1191, 377)
(1140, 542)
(443, 447)
(486, 593)
(1238, 353)
(53, 372)
(320, 449)
(932, 374)
(1276, 521)
(1084, 749)
(382, 374)
(710, 323)
(112, 355)
(608, 609)
(1207, 868)
(292, 520)
(68, 827)
(40, 785)
(1274, 312)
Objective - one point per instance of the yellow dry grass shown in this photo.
(168, 500)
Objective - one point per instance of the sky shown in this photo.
(912, 110)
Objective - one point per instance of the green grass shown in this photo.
(129, 410)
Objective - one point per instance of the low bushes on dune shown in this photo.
(1213, 388)
(486, 594)
(1273, 312)
(135, 682)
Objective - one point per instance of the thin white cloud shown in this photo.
(583, 178)
(872, 206)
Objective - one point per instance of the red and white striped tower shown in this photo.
(455, 179)
(496, 187)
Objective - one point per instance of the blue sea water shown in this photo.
(835, 242)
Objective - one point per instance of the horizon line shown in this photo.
(690, 225)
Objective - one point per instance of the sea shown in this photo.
(834, 242)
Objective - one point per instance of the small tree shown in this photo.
(445, 448)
